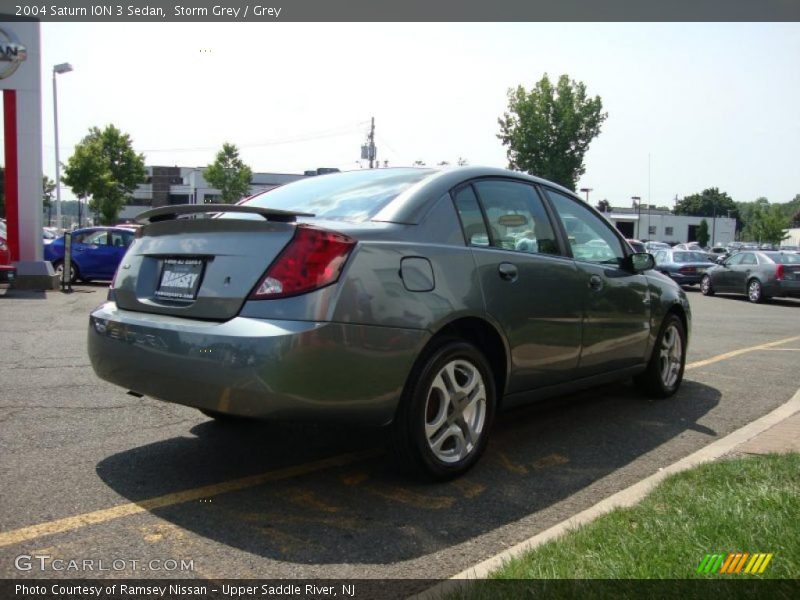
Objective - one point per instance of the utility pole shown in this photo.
(368, 150)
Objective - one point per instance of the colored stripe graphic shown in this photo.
(765, 563)
(734, 562)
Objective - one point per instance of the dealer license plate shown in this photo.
(180, 278)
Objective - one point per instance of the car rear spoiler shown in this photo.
(167, 213)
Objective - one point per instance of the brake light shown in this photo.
(313, 259)
(779, 272)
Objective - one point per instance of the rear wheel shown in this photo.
(442, 424)
(58, 267)
(705, 286)
(665, 370)
(755, 293)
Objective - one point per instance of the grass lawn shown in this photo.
(740, 505)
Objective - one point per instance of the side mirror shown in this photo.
(640, 261)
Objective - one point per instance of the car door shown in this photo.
(93, 253)
(721, 278)
(740, 272)
(616, 302)
(531, 290)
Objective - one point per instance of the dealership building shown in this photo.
(663, 226)
(186, 185)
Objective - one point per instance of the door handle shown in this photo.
(595, 283)
(507, 271)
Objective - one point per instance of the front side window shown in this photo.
(93, 238)
(734, 260)
(591, 239)
(660, 257)
(748, 259)
(517, 217)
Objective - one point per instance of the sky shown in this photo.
(690, 106)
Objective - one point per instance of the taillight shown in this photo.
(779, 272)
(313, 259)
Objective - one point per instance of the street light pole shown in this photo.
(58, 70)
(586, 190)
(638, 201)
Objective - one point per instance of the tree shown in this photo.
(702, 233)
(48, 187)
(768, 224)
(604, 206)
(229, 174)
(105, 168)
(708, 203)
(548, 130)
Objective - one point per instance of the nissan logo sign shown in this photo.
(12, 53)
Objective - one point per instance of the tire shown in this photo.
(664, 372)
(439, 432)
(705, 286)
(755, 292)
(58, 266)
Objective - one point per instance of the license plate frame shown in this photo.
(183, 277)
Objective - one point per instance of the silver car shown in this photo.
(419, 299)
(758, 274)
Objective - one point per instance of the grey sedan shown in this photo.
(419, 299)
(759, 275)
(685, 267)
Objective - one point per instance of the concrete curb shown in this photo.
(623, 498)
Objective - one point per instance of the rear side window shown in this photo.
(466, 203)
(517, 218)
(351, 196)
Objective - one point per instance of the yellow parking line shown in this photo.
(132, 508)
(727, 355)
(123, 510)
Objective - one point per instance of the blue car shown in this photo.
(96, 252)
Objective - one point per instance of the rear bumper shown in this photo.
(783, 289)
(255, 367)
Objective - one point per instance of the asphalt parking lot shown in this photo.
(91, 473)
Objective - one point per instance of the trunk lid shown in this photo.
(198, 268)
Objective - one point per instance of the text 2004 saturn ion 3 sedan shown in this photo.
(422, 299)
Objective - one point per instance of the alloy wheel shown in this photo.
(754, 291)
(670, 356)
(455, 411)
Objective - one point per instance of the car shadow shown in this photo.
(366, 511)
(772, 301)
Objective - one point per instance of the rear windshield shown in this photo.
(352, 196)
(783, 259)
(684, 257)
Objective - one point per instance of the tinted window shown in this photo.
(352, 196)
(785, 259)
(471, 218)
(516, 216)
(591, 238)
(121, 238)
